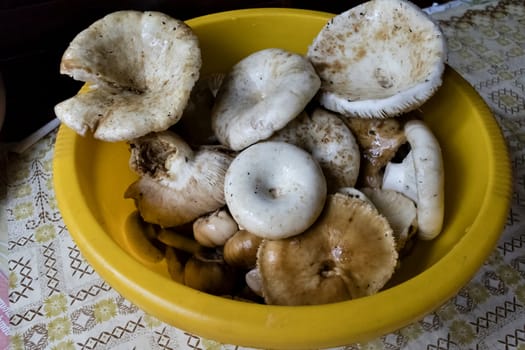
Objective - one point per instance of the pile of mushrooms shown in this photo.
(290, 179)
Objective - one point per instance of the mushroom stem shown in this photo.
(420, 177)
(401, 177)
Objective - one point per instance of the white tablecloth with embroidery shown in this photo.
(57, 301)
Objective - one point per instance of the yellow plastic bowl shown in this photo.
(90, 178)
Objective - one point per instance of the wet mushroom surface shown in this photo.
(259, 184)
(140, 68)
(381, 58)
(348, 253)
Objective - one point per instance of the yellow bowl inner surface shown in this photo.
(91, 177)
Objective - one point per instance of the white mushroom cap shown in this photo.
(260, 95)
(421, 177)
(274, 189)
(140, 66)
(330, 142)
(378, 59)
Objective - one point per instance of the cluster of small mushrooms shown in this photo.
(290, 179)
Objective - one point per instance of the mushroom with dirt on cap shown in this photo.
(140, 68)
(177, 184)
(380, 140)
(381, 58)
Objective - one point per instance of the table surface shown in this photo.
(54, 299)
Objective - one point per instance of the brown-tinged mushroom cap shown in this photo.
(378, 59)
(240, 250)
(206, 271)
(379, 140)
(348, 253)
(177, 184)
(140, 66)
(260, 95)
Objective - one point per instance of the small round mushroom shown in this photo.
(378, 59)
(274, 189)
(260, 95)
(420, 177)
(349, 252)
(140, 68)
(324, 135)
(177, 184)
(214, 229)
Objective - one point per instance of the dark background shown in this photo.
(35, 33)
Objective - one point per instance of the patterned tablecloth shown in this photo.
(57, 301)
